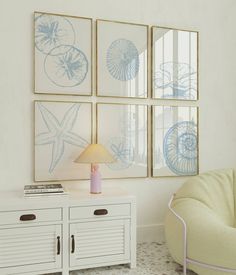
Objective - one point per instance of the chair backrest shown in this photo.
(215, 189)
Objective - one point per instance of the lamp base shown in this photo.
(95, 180)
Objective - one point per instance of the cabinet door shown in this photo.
(27, 249)
(99, 242)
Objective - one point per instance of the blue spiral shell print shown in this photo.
(66, 66)
(52, 31)
(122, 151)
(123, 60)
(180, 148)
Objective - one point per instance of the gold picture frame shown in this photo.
(62, 62)
(122, 51)
(175, 141)
(61, 132)
(174, 64)
(126, 137)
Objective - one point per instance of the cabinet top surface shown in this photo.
(74, 197)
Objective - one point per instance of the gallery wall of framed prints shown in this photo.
(129, 86)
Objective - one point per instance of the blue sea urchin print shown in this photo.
(59, 132)
(122, 151)
(52, 31)
(180, 148)
(180, 77)
(123, 60)
(68, 69)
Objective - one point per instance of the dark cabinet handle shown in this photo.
(58, 245)
(100, 212)
(28, 217)
(72, 244)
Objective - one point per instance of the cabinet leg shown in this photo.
(132, 264)
(65, 272)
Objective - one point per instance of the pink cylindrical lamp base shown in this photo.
(95, 181)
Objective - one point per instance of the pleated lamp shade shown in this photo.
(95, 153)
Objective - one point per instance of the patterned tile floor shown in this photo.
(152, 259)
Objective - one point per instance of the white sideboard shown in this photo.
(44, 235)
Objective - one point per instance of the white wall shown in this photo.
(214, 19)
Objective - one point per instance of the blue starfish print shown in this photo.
(59, 133)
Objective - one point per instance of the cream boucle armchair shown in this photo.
(200, 224)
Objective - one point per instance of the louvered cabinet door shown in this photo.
(99, 242)
(30, 249)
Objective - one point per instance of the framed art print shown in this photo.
(174, 141)
(63, 54)
(174, 64)
(62, 131)
(122, 129)
(122, 52)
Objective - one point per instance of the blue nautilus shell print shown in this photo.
(180, 148)
(122, 151)
(181, 78)
(66, 66)
(123, 60)
(52, 31)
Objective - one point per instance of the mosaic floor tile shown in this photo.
(152, 259)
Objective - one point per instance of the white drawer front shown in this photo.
(30, 216)
(98, 211)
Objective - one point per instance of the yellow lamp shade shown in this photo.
(95, 153)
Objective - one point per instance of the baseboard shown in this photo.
(150, 233)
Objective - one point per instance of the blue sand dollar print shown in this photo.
(59, 132)
(180, 77)
(68, 69)
(123, 60)
(122, 151)
(52, 31)
(180, 148)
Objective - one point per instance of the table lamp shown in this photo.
(94, 154)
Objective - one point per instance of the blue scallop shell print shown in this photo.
(52, 31)
(123, 60)
(181, 78)
(66, 66)
(180, 148)
(122, 151)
